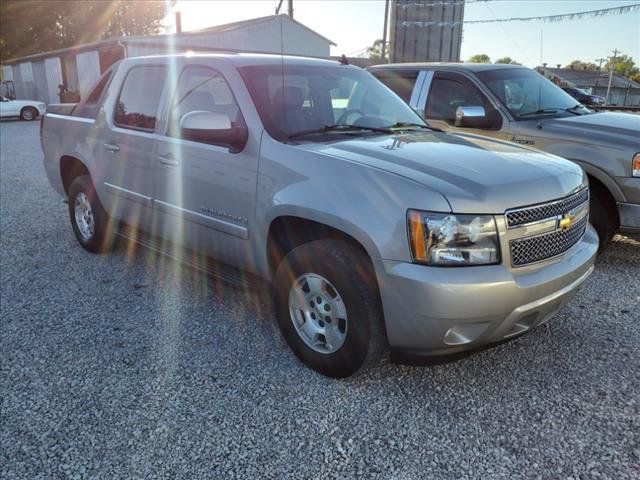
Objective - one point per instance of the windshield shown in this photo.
(297, 99)
(528, 94)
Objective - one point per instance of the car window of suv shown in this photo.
(203, 89)
(450, 91)
(89, 107)
(400, 82)
(139, 99)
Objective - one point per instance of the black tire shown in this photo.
(28, 114)
(603, 214)
(349, 270)
(103, 233)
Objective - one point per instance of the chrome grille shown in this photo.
(546, 210)
(533, 249)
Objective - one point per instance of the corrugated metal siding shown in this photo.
(53, 71)
(88, 71)
(40, 81)
(7, 72)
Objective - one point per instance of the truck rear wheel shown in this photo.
(603, 214)
(90, 222)
(328, 307)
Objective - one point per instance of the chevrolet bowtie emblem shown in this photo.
(566, 221)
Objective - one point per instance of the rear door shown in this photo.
(125, 154)
(204, 193)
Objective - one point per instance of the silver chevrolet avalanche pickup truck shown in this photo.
(515, 103)
(376, 231)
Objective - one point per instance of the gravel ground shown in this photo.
(130, 366)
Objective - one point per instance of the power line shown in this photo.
(545, 18)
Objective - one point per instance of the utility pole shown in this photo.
(384, 32)
(613, 60)
(290, 8)
(599, 60)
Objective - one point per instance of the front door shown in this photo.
(204, 193)
(447, 92)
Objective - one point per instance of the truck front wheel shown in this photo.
(90, 222)
(603, 214)
(328, 307)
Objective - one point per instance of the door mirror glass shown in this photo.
(213, 128)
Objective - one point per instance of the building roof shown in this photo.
(589, 78)
(166, 38)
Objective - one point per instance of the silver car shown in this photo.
(376, 231)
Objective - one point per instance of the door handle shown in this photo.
(168, 160)
(112, 147)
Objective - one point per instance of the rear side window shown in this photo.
(401, 83)
(90, 106)
(139, 99)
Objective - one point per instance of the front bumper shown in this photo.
(431, 311)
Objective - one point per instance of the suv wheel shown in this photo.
(90, 222)
(328, 307)
(603, 215)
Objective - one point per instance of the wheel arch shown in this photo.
(70, 168)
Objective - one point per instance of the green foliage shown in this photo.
(580, 65)
(623, 65)
(33, 26)
(480, 58)
(507, 60)
(374, 52)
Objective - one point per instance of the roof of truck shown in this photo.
(244, 59)
(473, 67)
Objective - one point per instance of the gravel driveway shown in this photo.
(130, 366)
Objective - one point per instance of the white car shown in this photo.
(25, 109)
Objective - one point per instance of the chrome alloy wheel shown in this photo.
(84, 216)
(318, 313)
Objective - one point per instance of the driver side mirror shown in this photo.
(477, 117)
(213, 128)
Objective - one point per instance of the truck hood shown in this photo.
(602, 128)
(475, 174)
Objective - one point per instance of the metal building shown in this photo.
(426, 30)
(78, 68)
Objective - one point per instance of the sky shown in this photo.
(355, 24)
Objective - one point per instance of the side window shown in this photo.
(401, 83)
(203, 89)
(450, 91)
(139, 99)
(89, 107)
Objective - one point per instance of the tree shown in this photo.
(34, 26)
(580, 65)
(507, 60)
(480, 58)
(374, 52)
(622, 65)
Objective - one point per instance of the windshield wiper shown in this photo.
(402, 125)
(541, 111)
(574, 108)
(339, 127)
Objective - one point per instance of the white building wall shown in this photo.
(7, 73)
(88, 71)
(53, 71)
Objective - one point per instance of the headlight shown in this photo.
(446, 239)
(635, 165)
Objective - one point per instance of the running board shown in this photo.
(221, 271)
